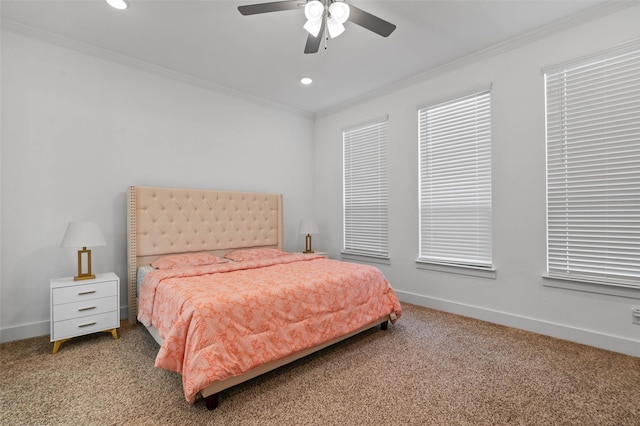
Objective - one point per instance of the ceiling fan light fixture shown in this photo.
(339, 11)
(313, 27)
(335, 28)
(314, 10)
(118, 4)
(323, 16)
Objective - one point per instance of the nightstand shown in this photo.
(84, 307)
(319, 253)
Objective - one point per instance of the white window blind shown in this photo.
(455, 182)
(365, 191)
(593, 169)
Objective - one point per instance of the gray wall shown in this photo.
(518, 296)
(77, 130)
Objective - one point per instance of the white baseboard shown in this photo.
(560, 331)
(24, 331)
(36, 329)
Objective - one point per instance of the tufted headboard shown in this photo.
(163, 221)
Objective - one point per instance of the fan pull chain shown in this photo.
(326, 34)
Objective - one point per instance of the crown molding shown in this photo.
(540, 33)
(108, 55)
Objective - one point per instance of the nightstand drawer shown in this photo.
(82, 292)
(85, 308)
(85, 325)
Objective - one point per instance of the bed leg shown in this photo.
(211, 401)
(384, 325)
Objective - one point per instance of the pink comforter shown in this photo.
(219, 321)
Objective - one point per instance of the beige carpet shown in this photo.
(429, 368)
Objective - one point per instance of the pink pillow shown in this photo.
(185, 260)
(254, 254)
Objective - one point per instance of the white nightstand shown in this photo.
(319, 253)
(84, 307)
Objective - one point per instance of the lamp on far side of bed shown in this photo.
(308, 226)
(83, 234)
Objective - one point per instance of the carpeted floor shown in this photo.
(431, 368)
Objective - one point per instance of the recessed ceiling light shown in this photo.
(118, 4)
(306, 81)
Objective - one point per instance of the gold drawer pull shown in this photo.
(87, 324)
(87, 308)
(86, 292)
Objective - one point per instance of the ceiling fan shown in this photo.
(324, 16)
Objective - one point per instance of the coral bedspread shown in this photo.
(218, 321)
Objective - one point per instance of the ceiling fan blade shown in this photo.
(276, 6)
(370, 22)
(313, 43)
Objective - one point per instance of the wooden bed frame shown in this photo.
(162, 221)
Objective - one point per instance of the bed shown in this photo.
(223, 299)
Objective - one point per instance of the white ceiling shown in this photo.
(208, 42)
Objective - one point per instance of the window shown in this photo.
(593, 169)
(365, 191)
(455, 182)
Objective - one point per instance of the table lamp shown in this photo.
(308, 226)
(83, 234)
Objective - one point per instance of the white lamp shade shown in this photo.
(335, 28)
(313, 27)
(339, 11)
(314, 10)
(118, 4)
(308, 226)
(83, 234)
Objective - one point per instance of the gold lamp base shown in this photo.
(84, 275)
(307, 248)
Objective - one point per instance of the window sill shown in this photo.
(365, 258)
(473, 271)
(592, 287)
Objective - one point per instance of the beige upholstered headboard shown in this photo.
(163, 221)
